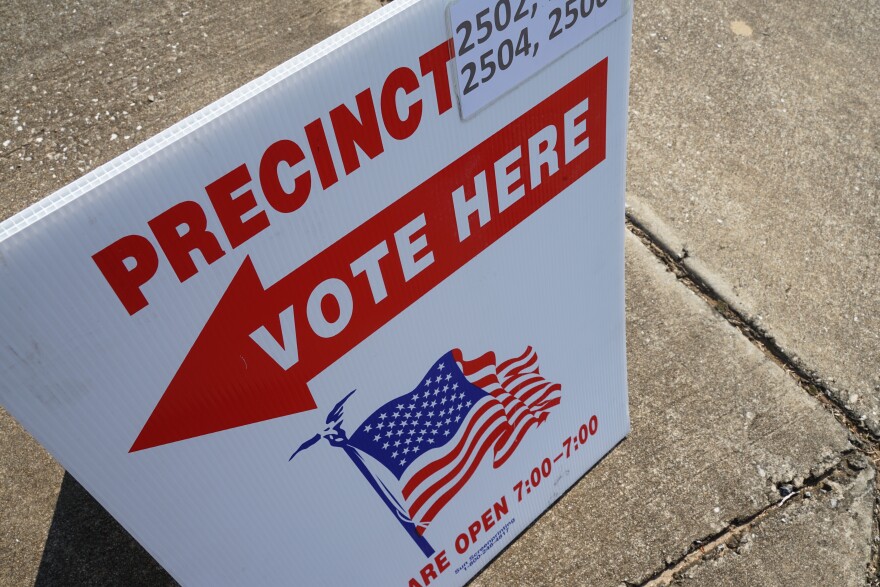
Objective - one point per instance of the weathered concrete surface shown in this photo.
(821, 540)
(716, 426)
(81, 83)
(86, 547)
(29, 483)
(755, 146)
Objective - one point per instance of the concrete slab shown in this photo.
(755, 148)
(86, 547)
(716, 428)
(822, 539)
(29, 484)
(81, 83)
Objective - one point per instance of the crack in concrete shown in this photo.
(874, 567)
(860, 435)
(722, 542)
(863, 436)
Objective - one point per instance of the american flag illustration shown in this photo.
(433, 438)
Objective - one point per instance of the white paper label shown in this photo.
(501, 43)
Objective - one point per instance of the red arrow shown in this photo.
(228, 380)
(222, 385)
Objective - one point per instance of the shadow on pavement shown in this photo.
(86, 546)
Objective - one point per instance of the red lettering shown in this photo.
(474, 530)
(428, 574)
(321, 153)
(231, 210)
(402, 78)
(178, 247)
(290, 153)
(501, 508)
(126, 283)
(487, 520)
(129, 263)
(462, 543)
(442, 563)
(434, 62)
(352, 132)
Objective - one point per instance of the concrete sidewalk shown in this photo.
(753, 304)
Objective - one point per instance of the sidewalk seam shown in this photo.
(719, 543)
(860, 435)
(865, 439)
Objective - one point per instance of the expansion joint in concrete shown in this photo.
(729, 539)
(860, 435)
(874, 567)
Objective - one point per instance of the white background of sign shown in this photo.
(227, 508)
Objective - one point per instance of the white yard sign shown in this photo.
(327, 332)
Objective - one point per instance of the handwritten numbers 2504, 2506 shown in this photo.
(500, 43)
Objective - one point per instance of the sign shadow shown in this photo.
(86, 546)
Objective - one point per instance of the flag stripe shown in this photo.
(517, 437)
(437, 464)
(428, 517)
(520, 386)
(480, 443)
(548, 390)
(506, 365)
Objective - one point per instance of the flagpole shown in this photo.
(336, 436)
(407, 524)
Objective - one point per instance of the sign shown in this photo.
(326, 332)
